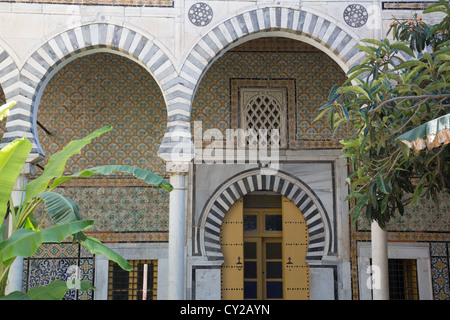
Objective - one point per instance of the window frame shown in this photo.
(399, 250)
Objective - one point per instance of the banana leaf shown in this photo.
(55, 290)
(4, 109)
(25, 242)
(57, 162)
(147, 176)
(15, 295)
(12, 159)
(96, 247)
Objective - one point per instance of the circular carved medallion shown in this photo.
(200, 14)
(355, 15)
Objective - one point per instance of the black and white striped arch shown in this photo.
(319, 229)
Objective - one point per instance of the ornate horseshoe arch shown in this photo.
(319, 228)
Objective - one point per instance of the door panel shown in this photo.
(264, 253)
(252, 268)
(273, 268)
(295, 246)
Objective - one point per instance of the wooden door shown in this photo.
(232, 240)
(295, 247)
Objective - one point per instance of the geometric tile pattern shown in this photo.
(97, 90)
(214, 43)
(59, 261)
(120, 208)
(312, 71)
(424, 216)
(422, 223)
(66, 46)
(440, 261)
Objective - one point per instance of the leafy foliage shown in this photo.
(396, 87)
(24, 237)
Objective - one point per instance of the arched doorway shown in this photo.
(264, 240)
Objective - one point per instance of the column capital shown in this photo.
(177, 167)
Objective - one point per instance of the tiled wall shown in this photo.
(266, 62)
(97, 90)
(423, 223)
(85, 95)
(440, 270)
(59, 262)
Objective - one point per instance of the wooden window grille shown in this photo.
(403, 279)
(264, 108)
(129, 285)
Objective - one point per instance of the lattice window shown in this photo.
(264, 109)
(403, 284)
(124, 285)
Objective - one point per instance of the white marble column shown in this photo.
(380, 288)
(177, 226)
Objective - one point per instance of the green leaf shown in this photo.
(369, 50)
(147, 176)
(372, 41)
(96, 247)
(25, 242)
(355, 89)
(380, 184)
(82, 285)
(12, 159)
(60, 208)
(16, 295)
(411, 63)
(4, 109)
(57, 162)
(402, 46)
(55, 290)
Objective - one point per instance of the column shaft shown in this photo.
(176, 237)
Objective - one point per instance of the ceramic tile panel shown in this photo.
(440, 270)
(424, 216)
(97, 90)
(307, 72)
(54, 261)
(119, 208)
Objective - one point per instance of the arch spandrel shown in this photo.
(55, 53)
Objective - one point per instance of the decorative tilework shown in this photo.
(102, 89)
(120, 208)
(423, 223)
(440, 261)
(312, 72)
(406, 5)
(424, 216)
(134, 3)
(54, 261)
(87, 94)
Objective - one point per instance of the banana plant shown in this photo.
(23, 238)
